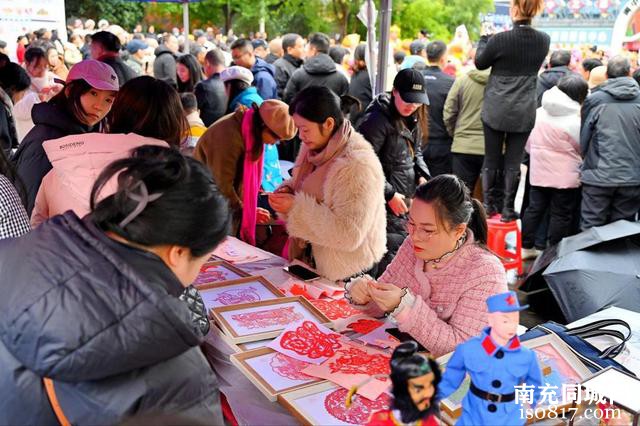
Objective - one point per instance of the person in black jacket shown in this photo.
(558, 68)
(396, 126)
(105, 47)
(164, 66)
(360, 85)
(318, 70)
(80, 108)
(437, 153)
(14, 82)
(212, 100)
(509, 109)
(293, 46)
(91, 306)
(610, 145)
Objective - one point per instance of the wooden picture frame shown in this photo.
(275, 316)
(250, 363)
(227, 297)
(234, 272)
(294, 403)
(452, 405)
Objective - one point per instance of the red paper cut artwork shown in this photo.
(360, 410)
(357, 361)
(336, 309)
(308, 340)
(288, 367)
(212, 274)
(268, 318)
(365, 326)
(241, 295)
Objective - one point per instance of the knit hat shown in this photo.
(237, 73)
(97, 74)
(275, 115)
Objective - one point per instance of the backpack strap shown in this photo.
(55, 404)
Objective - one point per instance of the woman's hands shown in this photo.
(281, 202)
(386, 296)
(398, 205)
(263, 216)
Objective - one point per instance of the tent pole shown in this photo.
(185, 24)
(383, 45)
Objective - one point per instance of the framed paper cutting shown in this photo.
(559, 366)
(325, 404)
(249, 322)
(213, 272)
(235, 292)
(272, 372)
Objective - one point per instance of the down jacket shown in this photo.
(610, 135)
(319, 70)
(104, 322)
(554, 142)
(399, 150)
(77, 162)
(51, 122)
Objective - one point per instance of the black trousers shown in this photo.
(438, 158)
(562, 205)
(496, 141)
(467, 167)
(602, 205)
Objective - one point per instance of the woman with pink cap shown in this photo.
(90, 90)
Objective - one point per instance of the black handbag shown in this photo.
(593, 358)
(194, 301)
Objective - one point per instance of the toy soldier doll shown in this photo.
(415, 379)
(497, 363)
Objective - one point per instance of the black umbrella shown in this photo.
(597, 269)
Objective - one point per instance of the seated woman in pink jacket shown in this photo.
(436, 287)
(146, 112)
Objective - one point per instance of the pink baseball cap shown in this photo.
(97, 74)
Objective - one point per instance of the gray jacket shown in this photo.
(610, 135)
(104, 322)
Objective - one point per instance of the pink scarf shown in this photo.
(251, 181)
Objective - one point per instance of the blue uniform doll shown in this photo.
(496, 363)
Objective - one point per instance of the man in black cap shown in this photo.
(395, 125)
(417, 58)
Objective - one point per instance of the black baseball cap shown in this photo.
(411, 86)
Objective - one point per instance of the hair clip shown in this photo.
(143, 199)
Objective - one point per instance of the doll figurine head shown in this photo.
(504, 316)
(415, 379)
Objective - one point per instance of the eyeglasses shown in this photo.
(421, 233)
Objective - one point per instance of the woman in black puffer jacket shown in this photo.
(396, 125)
(92, 304)
(509, 109)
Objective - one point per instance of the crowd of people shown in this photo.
(125, 160)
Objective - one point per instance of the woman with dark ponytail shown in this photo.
(334, 204)
(436, 286)
(91, 306)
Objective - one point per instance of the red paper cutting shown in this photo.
(351, 360)
(237, 296)
(307, 340)
(267, 318)
(335, 309)
(365, 326)
(288, 367)
(360, 410)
